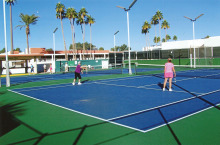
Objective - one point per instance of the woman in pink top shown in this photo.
(168, 73)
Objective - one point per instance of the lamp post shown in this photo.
(129, 54)
(54, 49)
(194, 39)
(114, 47)
(6, 49)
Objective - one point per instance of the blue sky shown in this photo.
(109, 19)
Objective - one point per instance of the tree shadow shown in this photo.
(8, 112)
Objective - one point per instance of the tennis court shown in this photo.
(136, 103)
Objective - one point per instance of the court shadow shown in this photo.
(84, 81)
(8, 112)
(160, 85)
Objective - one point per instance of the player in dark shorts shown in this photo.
(78, 70)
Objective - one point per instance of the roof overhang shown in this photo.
(20, 56)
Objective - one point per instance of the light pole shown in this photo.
(6, 49)
(54, 49)
(194, 39)
(114, 47)
(129, 54)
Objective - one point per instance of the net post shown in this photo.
(135, 68)
(191, 60)
(121, 68)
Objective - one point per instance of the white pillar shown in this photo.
(35, 65)
(136, 55)
(80, 56)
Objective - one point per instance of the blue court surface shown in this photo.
(134, 102)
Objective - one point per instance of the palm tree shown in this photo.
(145, 30)
(168, 37)
(159, 17)
(155, 21)
(163, 40)
(165, 25)
(90, 21)
(207, 36)
(156, 39)
(27, 20)
(60, 9)
(81, 20)
(11, 2)
(71, 14)
(174, 37)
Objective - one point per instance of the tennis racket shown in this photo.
(175, 78)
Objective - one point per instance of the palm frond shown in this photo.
(20, 26)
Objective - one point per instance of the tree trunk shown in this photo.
(156, 35)
(26, 61)
(75, 46)
(166, 35)
(27, 32)
(90, 41)
(83, 40)
(72, 28)
(148, 44)
(12, 48)
(64, 39)
(160, 31)
(146, 40)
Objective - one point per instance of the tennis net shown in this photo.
(201, 71)
(100, 69)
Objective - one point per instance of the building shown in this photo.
(207, 47)
(39, 56)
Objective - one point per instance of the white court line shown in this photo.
(42, 88)
(61, 85)
(106, 80)
(109, 120)
(106, 120)
(150, 109)
(101, 82)
(126, 78)
(140, 87)
(197, 112)
(64, 83)
(168, 82)
(54, 86)
(177, 119)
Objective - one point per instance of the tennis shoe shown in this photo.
(170, 90)
(73, 84)
(79, 83)
(163, 89)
